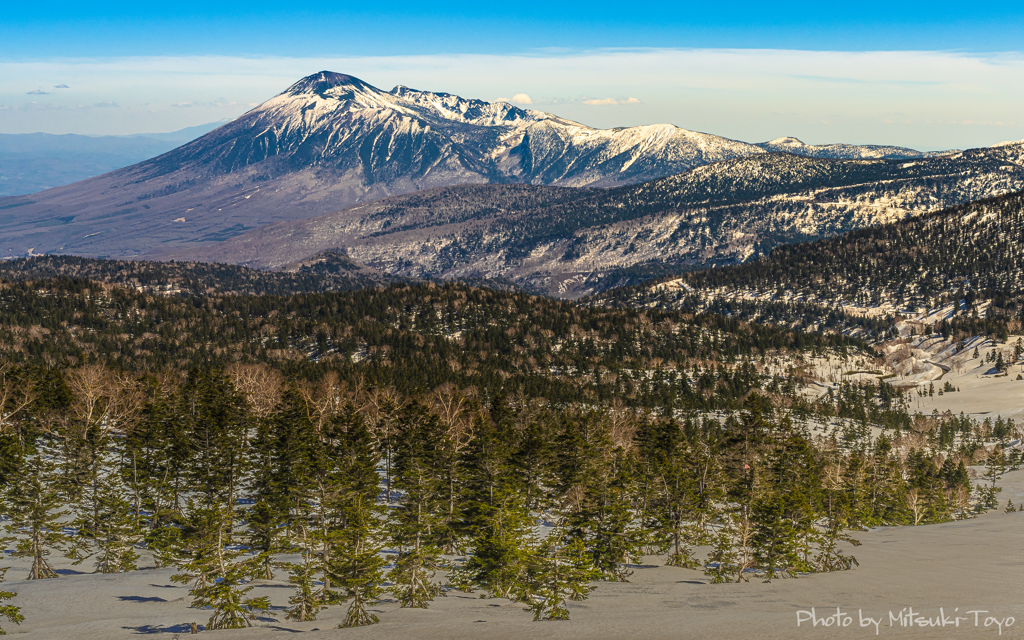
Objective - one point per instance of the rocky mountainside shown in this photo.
(330, 141)
(574, 242)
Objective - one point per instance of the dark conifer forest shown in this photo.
(411, 439)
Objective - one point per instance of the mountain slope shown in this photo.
(330, 141)
(572, 242)
(960, 269)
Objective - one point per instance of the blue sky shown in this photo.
(929, 75)
(402, 27)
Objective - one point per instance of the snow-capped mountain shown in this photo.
(330, 141)
(572, 242)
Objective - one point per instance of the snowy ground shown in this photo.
(982, 395)
(925, 361)
(962, 566)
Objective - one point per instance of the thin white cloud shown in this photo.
(521, 98)
(912, 98)
(107, 104)
(38, 92)
(632, 101)
(218, 103)
(601, 101)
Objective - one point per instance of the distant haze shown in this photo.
(920, 99)
(31, 162)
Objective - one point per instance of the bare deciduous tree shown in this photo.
(15, 396)
(259, 384)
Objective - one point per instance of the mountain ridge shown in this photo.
(330, 141)
(571, 242)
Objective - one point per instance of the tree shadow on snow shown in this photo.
(140, 599)
(150, 628)
(70, 572)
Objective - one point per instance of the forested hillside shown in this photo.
(411, 337)
(327, 271)
(956, 258)
(567, 242)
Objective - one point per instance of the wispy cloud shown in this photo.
(61, 86)
(754, 95)
(107, 105)
(602, 101)
(213, 104)
(38, 92)
(889, 81)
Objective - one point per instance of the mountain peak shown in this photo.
(324, 81)
(788, 141)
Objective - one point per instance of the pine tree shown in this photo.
(8, 611)
(216, 576)
(119, 531)
(782, 512)
(414, 569)
(282, 449)
(155, 458)
(420, 526)
(500, 549)
(356, 568)
(351, 517)
(599, 489)
(35, 504)
(731, 553)
(307, 602)
(558, 569)
(676, 512)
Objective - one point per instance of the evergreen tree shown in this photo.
(282, 450)
(307, 602)
(35, 505)
(353, 518)
(673, 507)
(731, 553)
(156, 455)
(356, 568)
(500, 549)
(8, 611)
(558, 569)
(216, 575)
(424, 472)
(782, 511)
(119, 531)
(598, 486)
